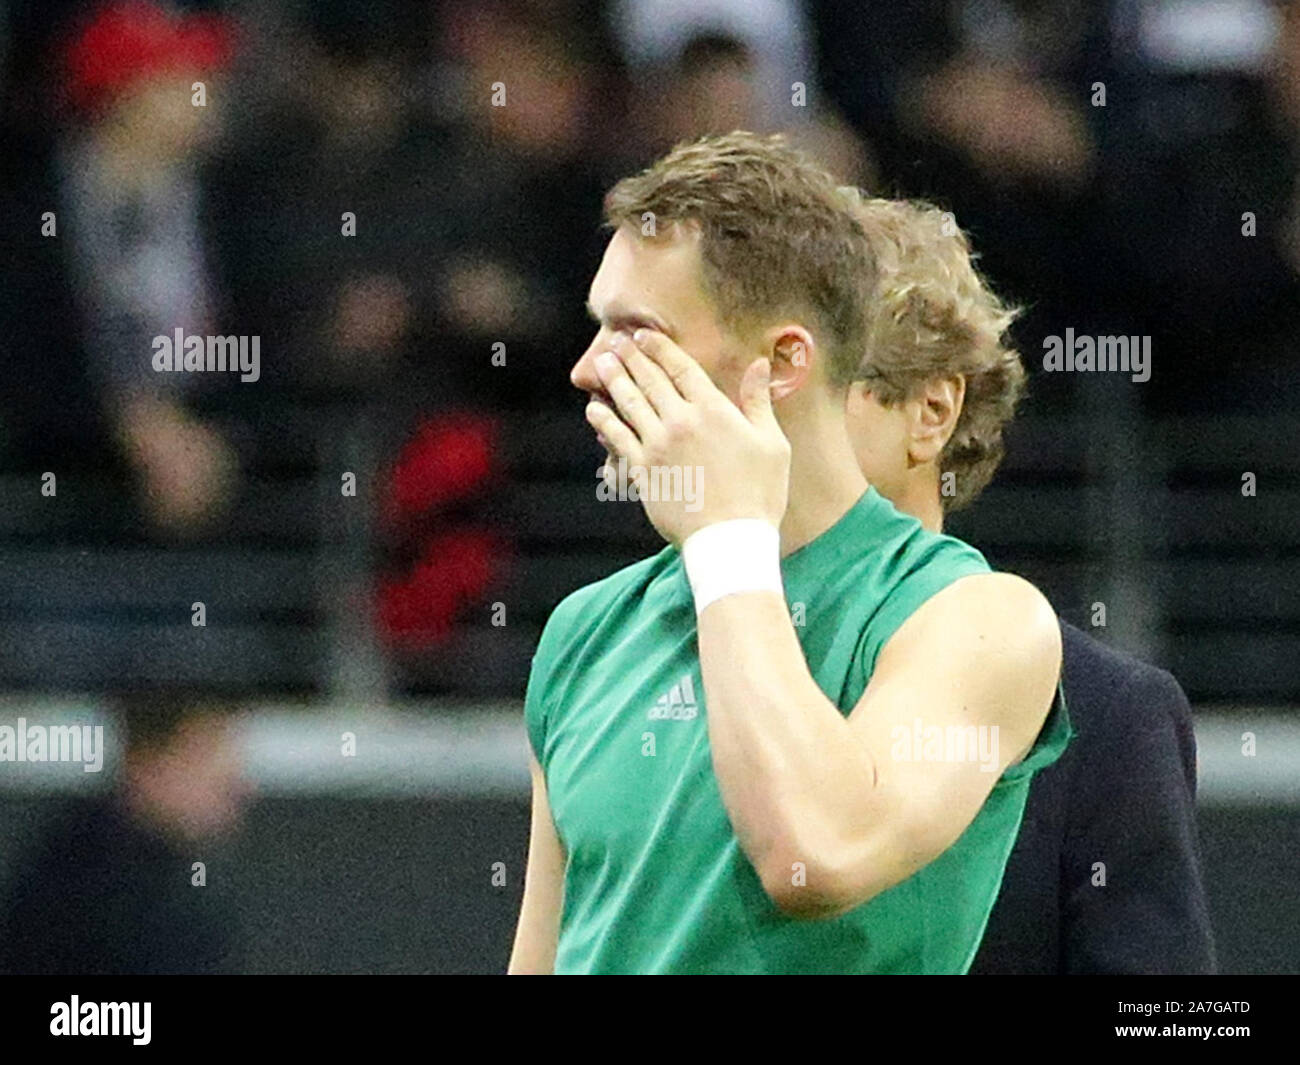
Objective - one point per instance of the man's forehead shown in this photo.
(646, 280)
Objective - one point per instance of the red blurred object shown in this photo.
(127, 41)
(447, 458)
(456, 568)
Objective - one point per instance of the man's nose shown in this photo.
(583, 375)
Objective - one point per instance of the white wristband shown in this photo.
(742, 555)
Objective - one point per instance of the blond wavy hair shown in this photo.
(933, 316)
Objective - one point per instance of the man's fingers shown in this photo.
(621, 439)
(755, 393)
(627, 396)
(685, 373)
(649, 376)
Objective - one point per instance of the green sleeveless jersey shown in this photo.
(655, 880)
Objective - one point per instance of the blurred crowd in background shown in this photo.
(1125, 167)
(415, 261)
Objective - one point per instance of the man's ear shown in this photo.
(793, 353)
(932, 414)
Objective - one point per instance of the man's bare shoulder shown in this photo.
(999, 607)
(994, 633)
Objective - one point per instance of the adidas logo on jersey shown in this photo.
(678, 704)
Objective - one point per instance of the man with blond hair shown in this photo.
(799, 738)
(938, 384)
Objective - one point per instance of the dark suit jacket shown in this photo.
(1123, 794)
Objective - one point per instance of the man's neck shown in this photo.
(825, 481)
(921, 500)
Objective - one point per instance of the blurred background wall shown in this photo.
(378, 526)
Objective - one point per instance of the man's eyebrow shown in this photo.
(623, 315)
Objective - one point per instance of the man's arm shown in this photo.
(538, 930)
(804, 785)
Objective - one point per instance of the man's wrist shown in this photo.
(730, 557)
